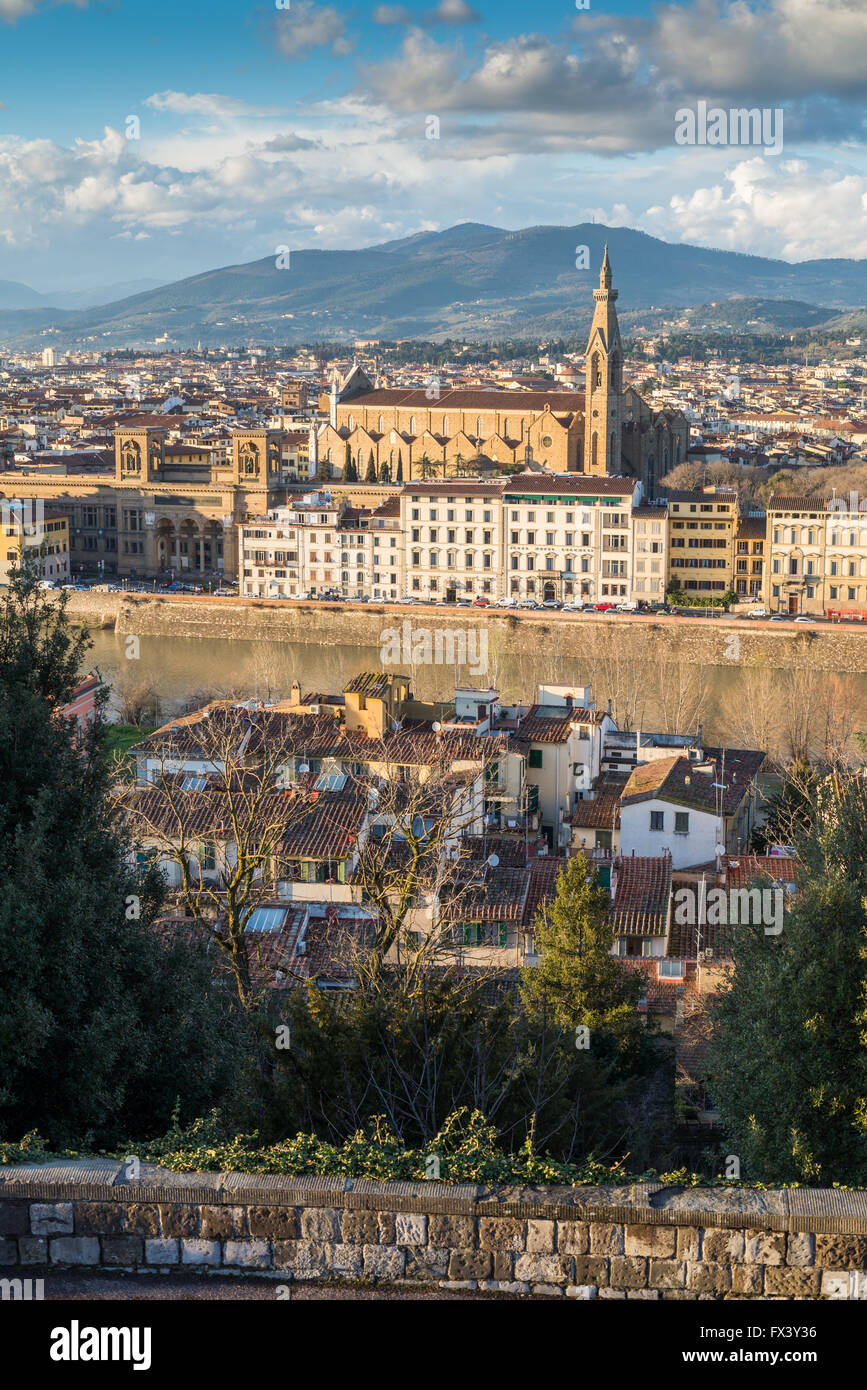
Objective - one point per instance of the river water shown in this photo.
(183, 672)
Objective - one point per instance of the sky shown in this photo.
(153, 139)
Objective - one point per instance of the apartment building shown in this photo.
(568, 539)
(817, 561)
(318, 544)
(750, 548)
(28, 529)
(701, 535)
(453, 539)
(650, 553)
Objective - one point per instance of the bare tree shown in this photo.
(222, 834)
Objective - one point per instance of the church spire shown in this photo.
(604, 378)
(605, 272)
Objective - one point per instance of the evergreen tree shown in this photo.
(347, 465)
(577, 980)
(788, 1064)
(370, 475)
(399, 473)
(102, 1022)
(384, 473)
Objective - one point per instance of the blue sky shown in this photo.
(310, 125)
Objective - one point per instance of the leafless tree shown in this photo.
(224, 840)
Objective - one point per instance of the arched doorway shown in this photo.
(549, 594)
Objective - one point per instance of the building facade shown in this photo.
(28, 530)
(701, 534)
(155, 507)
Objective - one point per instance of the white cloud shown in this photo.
(446, 12)
(207, 104)
(10, 10)
(307, 26)
(793, 209)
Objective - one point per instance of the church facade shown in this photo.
(404, 435)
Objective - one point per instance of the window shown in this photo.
(671, 970)
(657, 820)
(681, 822)
(535, 757)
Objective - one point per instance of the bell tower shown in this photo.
(604, 381)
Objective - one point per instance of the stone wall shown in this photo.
(695, 641)
(643, 1241)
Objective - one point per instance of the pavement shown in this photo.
(87, 1286)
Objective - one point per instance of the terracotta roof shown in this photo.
(329, 829)
(583, 484)
(602, 812)
(545, 728)
(641, 896)
(687, 783)
(780, 503)
(456, 399)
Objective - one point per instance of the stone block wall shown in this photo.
(644, 1241)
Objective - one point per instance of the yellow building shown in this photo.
(701, 534)
(817, 556)
(750, 551)
(26, 528)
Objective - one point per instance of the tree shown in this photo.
(399, 474)
(370, 475)
(788, 1064)
(577, 980)
(223, 844)
(103, 1021)
(348, 467)
(384, 472)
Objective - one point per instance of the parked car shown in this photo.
(223, 592)
(46, 584)
(481, 603)
(551, 603)
(758, 611)
(604, 607)
(804, 618)
(527, 603)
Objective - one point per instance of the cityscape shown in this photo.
(433, 669)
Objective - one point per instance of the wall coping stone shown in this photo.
(820, 1210)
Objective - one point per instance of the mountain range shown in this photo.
(469, 281)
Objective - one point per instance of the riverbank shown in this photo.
(695, 641)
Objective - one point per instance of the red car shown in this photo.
(603, 607)
(481, 603)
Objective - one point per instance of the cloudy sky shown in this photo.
(142, 139)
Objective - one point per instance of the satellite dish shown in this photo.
(493, 860)
(436, 727)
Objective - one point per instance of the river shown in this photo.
(184, 672)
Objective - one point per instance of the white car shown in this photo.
(46, 584)
(758, 612)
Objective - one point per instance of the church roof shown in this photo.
(452, 399)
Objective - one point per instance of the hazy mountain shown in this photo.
(105, 294)
(15, 296)
(471, 279)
